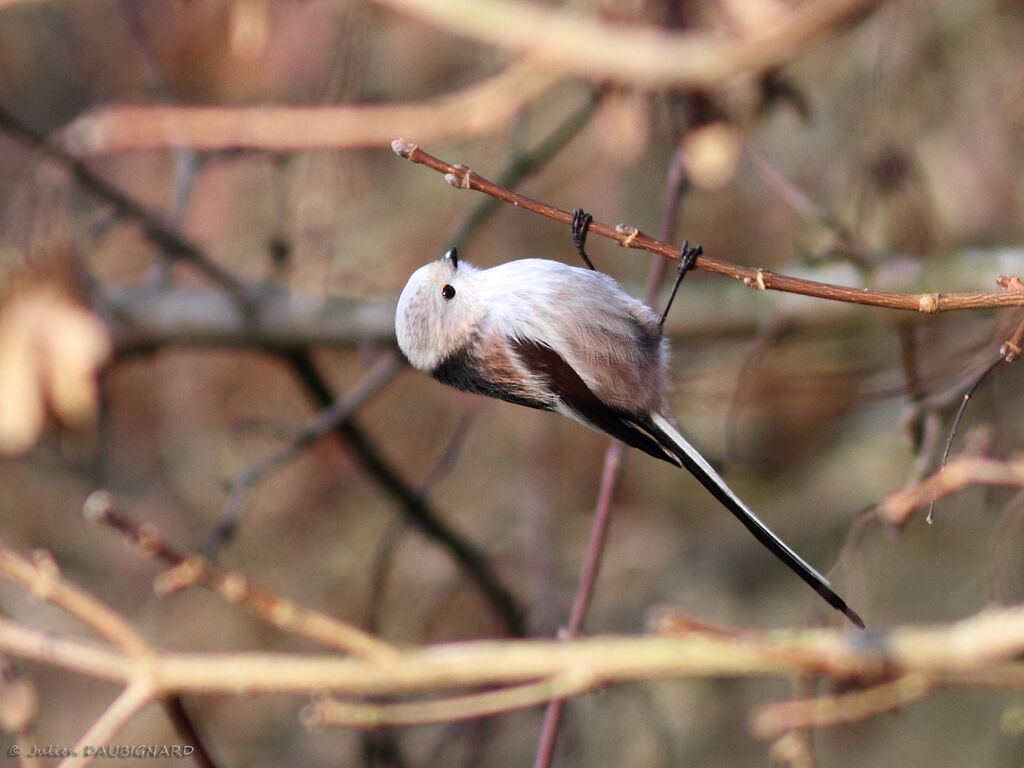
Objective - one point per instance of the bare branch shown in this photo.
(159, 232)
(324, 422)
(773, 720)
(898, 506)
(141, 320)
(482, 108)
(42, 579)
(234, 588)
(333, 713)
(588, 46)
(759, 279)
(134, 697)
(977, 651)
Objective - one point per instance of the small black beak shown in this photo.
(452, 255)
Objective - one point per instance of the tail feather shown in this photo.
(698, 466)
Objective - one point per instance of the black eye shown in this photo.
(448, 292)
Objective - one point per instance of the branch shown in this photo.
(983, 650)
(759, 279)
(677, 181)
(897, 508)
(136, 695)
(42, 579)
(773, 720)
(482, 108)
(141, 320)
(415, 507)
(99, 507)
(979, 651)
(163, 235)
(588, 46)
(322, 424)
(333, 713)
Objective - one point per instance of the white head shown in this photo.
(436, 313)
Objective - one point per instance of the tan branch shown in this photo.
(898, 506)
(134, 697)
(773, 720)
(963, 653)
(99, 507)
(759, 279)
(588, 46)
(42, 579)
(479, 109)
(983, 650)
(332, 713)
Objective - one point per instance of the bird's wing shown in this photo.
(578, 402)
(653, 434)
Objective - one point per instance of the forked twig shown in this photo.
(186, 570)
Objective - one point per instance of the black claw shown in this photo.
(688, 256)
(578, 227)
(687, 261)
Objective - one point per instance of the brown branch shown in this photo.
(897, 508)
(482, 108)
(585, 45)
(773, 720)
(759, 279)
(325, 422)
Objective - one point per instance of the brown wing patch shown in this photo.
(566, 384)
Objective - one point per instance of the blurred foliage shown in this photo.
(907, 129)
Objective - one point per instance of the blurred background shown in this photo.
(887, 156)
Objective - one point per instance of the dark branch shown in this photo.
(416, 509)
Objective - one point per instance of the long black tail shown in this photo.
(688, 456)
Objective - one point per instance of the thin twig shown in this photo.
(414, 506)
(800, 202)
(333, 713)
(325, 422)
(173, 243)
(1009, 352)
(136, 695)
(898, 506)
(758, 279)
(584, 592)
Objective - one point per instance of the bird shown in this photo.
(543, 334)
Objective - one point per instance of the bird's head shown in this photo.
(436, 312)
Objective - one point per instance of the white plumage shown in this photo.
(546, 335)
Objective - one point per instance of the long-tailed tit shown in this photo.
(546, 335)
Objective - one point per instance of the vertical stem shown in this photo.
(591, 565)
(677, 182)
